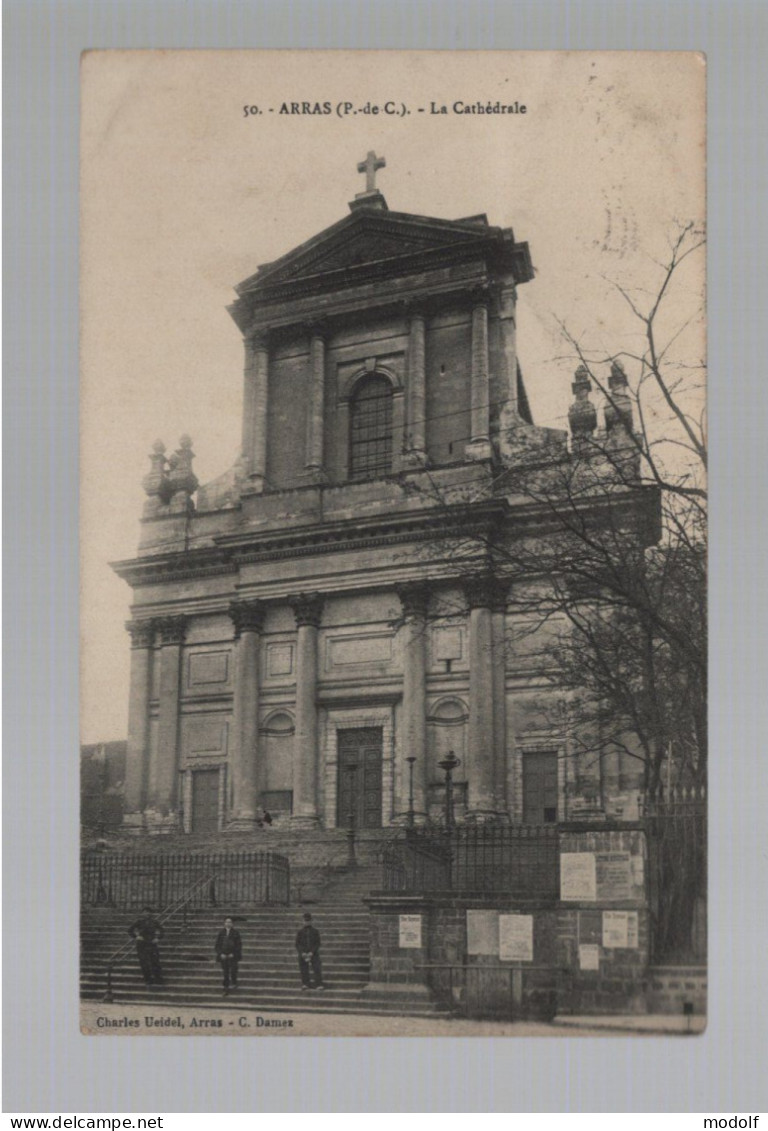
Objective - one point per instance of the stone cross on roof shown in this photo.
(369, 167)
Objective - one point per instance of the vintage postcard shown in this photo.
(393, 543)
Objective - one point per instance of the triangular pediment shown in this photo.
(365, 238)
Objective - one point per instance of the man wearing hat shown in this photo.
(229, 950)
(308, 948)
(146, 931)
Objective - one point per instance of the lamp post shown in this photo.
(411, 815)
(449, 764)
(351, 769)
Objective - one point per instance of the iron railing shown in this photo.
(204, 886)
(137, 880)
(519, 860)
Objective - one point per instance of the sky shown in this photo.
(184, 194)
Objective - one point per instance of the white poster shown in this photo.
(620, 929)
(589, 956)
(516, 938)
(410, 932)
(483, 932)
(578, 876)
(614, 879)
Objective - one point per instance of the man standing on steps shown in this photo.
(146, 931)
(229, 949)
(308, 948)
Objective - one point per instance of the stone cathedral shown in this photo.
(327, 602)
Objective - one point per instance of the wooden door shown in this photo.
(205, 801)
(361, 747)
(540, 788)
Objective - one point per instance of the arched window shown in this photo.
(370, 421)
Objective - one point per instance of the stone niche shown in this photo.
(276, 740)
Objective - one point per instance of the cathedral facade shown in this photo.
(317, 630)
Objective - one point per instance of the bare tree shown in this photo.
(604, 543)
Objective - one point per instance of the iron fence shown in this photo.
(519, 860)
(136, 880)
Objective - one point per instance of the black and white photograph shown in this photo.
(393, 543)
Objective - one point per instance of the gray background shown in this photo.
(49, 1066)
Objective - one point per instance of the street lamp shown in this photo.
(411, 815)
(449, 764)
(351, 769)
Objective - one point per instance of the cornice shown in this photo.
(496, 514)
(283, 313)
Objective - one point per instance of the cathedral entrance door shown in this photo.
(540, 788)
(361, 747)
(205, 801)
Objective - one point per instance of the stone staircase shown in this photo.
(269, 975)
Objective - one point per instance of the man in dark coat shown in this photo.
(229, 950)
(146, 931)
(308, 949)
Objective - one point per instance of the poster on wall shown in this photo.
(589, 956)
(620, 929)
(483, 932)
(410, 932)
(578, 876)
(516, 938)
(614, 875)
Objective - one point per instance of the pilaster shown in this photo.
(316, 409)
(162, 811)
(416, 448)
(479, 446)
(137, 755)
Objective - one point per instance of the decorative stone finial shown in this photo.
(618, 412)
(582, 415)
(154, 479)
(180, 474)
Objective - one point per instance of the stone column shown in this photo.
(163, 803)
(248, 619)
(308, 610)
(415, 600)
(316, 407)
(479, 446)
(137, 755)
(481, 802)
(416, 423)
(499, 661)
(255, 403)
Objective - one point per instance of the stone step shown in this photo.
(268, 973)
(176, 978)
(330, 917)
(204, 947)
(274, 937)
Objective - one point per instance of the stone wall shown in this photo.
(491, 955)
(670, 988)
